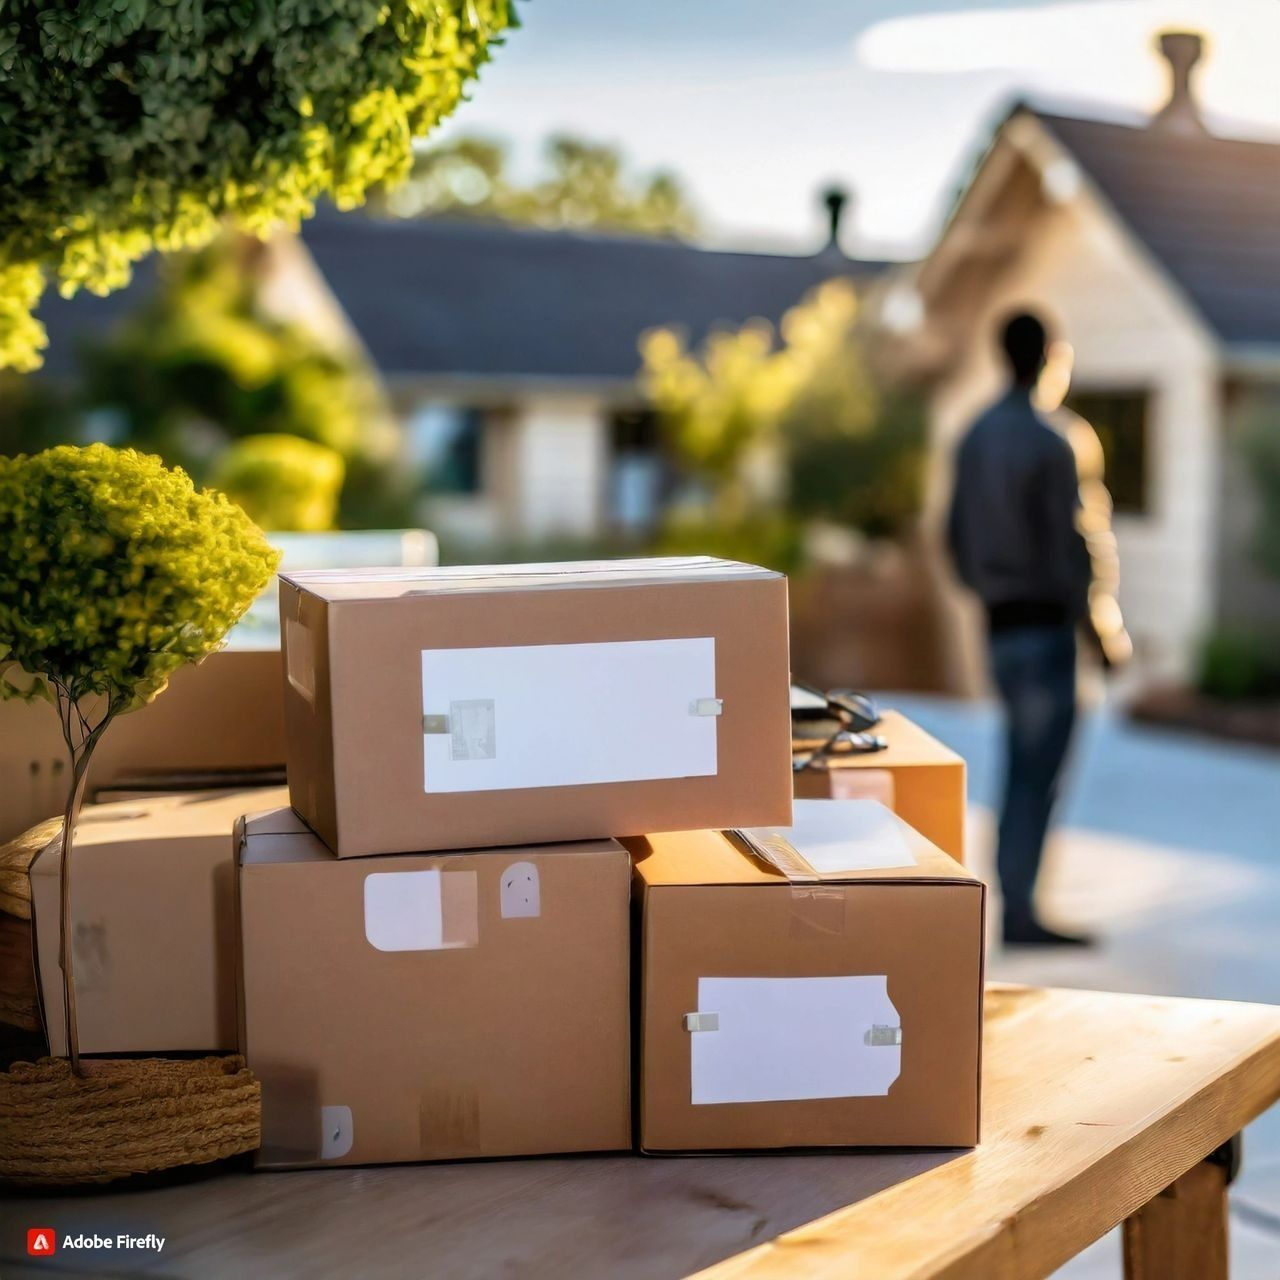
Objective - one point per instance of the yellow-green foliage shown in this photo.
(735, 392)
(132, 125)
(719, 401)
(283, 482)
(583, 185)
(853, 448)
(202, 350)
(114, 572)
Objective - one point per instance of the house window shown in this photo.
(637, 471)
(1120, 419)
(445, 442)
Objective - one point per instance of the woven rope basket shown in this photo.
(124, 1116)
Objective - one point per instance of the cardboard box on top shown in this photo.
(433, 1006)
(218, 724)
(927, 781)
(153, 914)
(815, 986)
(463, 707)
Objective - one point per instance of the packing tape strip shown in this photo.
(702, 1022)
(815, 905)
(776, 851)
(818, 908)
(706, 707)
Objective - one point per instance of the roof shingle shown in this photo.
(483, 299)
(1208, 208)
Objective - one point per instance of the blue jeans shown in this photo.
(1035, 672)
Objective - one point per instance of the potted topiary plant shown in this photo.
(114, 572)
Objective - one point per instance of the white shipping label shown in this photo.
(838, 836)
(783, 1039)
(556, 715)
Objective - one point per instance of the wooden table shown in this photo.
(1099, 1109)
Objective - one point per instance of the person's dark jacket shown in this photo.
(1012, 527)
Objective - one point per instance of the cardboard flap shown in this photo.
(379, 584)
(830, 841)
(176, 817)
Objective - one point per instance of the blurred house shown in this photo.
(511, 355)
(1153, 247)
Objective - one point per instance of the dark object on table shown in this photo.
(830, 724)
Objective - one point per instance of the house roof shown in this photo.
(1208, 209)
(481, 300)
(486, 300)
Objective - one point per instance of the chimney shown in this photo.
(834, 199)
(1182, 50)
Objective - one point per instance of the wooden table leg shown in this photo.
(1182, 1233)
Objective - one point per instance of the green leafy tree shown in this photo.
(114, 572)
(718, 402)
(851, 448)
(283, 482)
(585, 185)
(202, 365)
(128, 126)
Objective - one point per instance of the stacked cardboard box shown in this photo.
(918, 777)
(433, 939)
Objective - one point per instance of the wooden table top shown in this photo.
(1093, 1103)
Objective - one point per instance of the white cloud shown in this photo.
(1094, 48)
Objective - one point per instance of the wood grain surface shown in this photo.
(1093, 1104)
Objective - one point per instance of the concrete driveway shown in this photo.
(1168, 846)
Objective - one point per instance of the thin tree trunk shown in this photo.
(81, 753)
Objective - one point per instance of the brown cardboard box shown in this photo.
(820, 1007)
(457, 708)
(220, 723)
(928, 781)
(432, 1007)
(153, 905)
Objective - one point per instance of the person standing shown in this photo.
(1015, 537)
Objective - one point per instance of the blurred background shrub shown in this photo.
(1239, 663)
(284, 482)
(843, 444)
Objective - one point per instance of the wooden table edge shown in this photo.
(1021, 1245)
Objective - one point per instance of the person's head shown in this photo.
(1025, 341)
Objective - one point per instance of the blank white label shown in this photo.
(783, 1039)
(561, 715)
(404, 910)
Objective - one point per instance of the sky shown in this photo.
(758, 104)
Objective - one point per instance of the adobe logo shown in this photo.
(42, 1242)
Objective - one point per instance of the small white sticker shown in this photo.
(403, 910)
(336, 1132)
(471, 727)
(520, 896)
